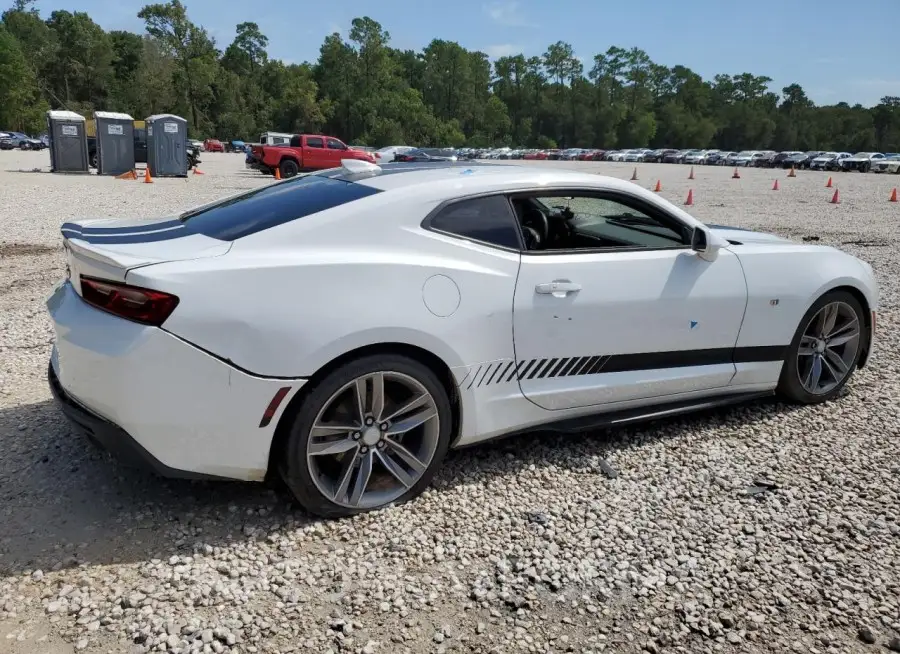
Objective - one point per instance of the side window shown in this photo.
(487, 220)
(314, 142)
(334, 144)
(296, 142)
(563, 223)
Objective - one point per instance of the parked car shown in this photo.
(716, 158)
(213, 145)
(18, 140)
(800, 160)
(828, 161)
(763, 159)
(305, 152)
(861, 161)
(387, 154)
(426, 154)
(890, 164)
(344, 329)
(744, 158)
(693, 157)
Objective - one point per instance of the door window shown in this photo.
(334, 144)
(314, 142)
(563, 222)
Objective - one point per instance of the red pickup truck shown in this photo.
(304, 152)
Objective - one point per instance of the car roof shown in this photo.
(465, 178)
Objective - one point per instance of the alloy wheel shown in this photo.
(373, 440)
(828, 348)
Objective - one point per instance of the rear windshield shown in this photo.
(271, 206)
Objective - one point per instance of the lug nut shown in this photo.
(384, 426)
(363, 449)
(370, 421)
(356, 435)
(380, 445)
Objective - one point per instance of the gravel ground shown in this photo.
(522, 545)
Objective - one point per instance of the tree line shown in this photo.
(364, 91)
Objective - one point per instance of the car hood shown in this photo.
(742, 235)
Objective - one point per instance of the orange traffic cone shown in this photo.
(736, 175)
(197, 171)
(836, 198)
(690, 198)
(893, 195)
(691, 176)
(148, 178)
(634, 175)
(129, 175)
(793, 172)
(828, 184)
(658, 187)
(277, 173)
(775, 185)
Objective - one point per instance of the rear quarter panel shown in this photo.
(783, 281)
(288, 300)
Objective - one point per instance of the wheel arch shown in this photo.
(433, 362)
(867, 318)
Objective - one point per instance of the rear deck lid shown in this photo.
(108, 249)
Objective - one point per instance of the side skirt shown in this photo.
(624, 417)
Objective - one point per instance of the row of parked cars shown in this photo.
(815, 159)
(20, 141)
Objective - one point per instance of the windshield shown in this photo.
(745, 153)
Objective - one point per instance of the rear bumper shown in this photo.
(110, 436)
(192, 413)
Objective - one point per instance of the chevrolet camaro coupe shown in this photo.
(342, 330)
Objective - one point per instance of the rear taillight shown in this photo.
(141, 305)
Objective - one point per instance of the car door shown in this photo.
(314, 153)
(622, 311)
(335, 151)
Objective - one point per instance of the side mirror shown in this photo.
(705, 244)
(699, 240)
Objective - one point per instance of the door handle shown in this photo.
(558, 288)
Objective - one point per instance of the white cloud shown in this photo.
(502, 50)
(507, 13)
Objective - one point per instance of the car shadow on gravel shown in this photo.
(64, 502)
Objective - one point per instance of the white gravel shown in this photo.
(522, 546)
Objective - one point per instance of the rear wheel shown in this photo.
(825, 350)
(371, 434)
(289, 168)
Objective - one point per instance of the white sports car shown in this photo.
(343, 329)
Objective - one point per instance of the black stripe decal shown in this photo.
(559, 367)
(486, 371)
(496, 370)
(472, 379)
(500, 372)
(130, 229)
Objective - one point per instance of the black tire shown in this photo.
(864, 168)
(95, 161)
(789, 385)
(288, 168)
(292, 465)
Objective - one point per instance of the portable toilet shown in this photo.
(115, 142)
(167, 146)
(68, 142)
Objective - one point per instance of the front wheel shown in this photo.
(371, 434)
(825, 350)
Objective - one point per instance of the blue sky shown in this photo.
(837, 50)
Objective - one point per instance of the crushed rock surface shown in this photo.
(524, 545)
